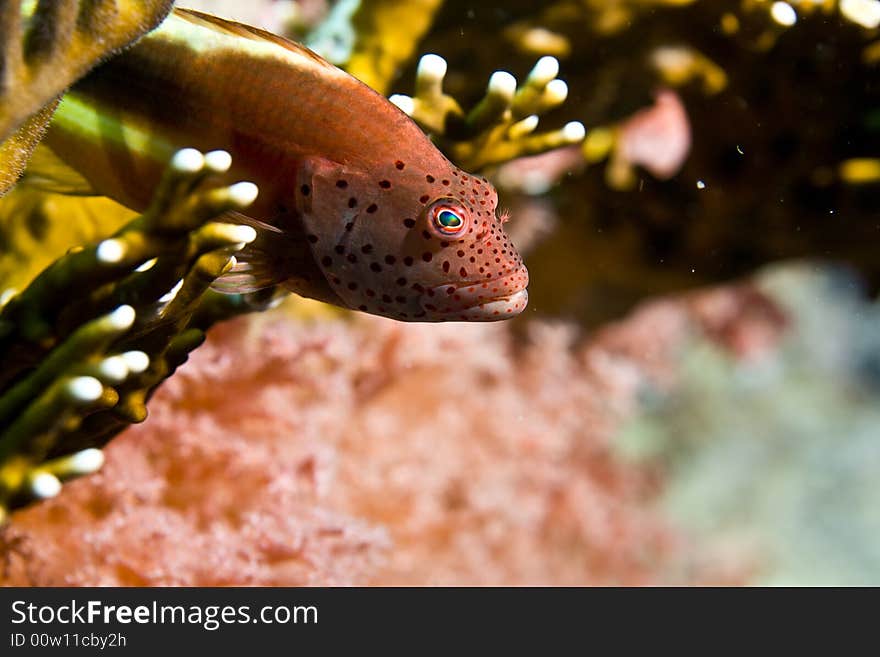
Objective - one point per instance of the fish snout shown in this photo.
(486, 301)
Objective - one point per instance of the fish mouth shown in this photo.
(479, 301)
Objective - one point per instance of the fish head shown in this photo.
(414, 243)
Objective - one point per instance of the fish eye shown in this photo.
(448, 219)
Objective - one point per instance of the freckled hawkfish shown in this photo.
(356, 206)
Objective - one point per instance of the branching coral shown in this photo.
(46, 45)
(87, 341)
(500, 126)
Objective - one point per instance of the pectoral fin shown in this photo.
(257, 264)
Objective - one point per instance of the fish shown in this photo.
(357, 207)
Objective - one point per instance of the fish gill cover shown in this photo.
(342, 448)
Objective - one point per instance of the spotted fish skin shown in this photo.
(385, 256)
(367, 213)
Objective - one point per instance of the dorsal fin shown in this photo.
(247, 31)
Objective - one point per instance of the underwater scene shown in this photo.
(426, 292)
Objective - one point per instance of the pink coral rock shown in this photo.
(363, 451)
(657, 137)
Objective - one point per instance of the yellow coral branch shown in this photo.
(88, 340)
(500, 126)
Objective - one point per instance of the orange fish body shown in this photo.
(367, 213)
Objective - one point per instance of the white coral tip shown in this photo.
(574, 131)
(122, 317)
(85, 388)
(45, 485)
(404, 103)
(110, 251)
(502, 83)
(146, 266)
(557, 91)
(545, 70)
(113, 369)
(218, 161)
(243, 193)
(137, 361)
(188, 160)
(86, 462)
(170, 294)
(431, 66)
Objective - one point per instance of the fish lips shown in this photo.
(482, 301)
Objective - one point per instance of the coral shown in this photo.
(773, 172)
(657, 138)
(365, 451)
(86, 342)
(499, 127)
(775, 457)
(371, 39)
(46, 45)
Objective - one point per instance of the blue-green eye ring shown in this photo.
(448, 218)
